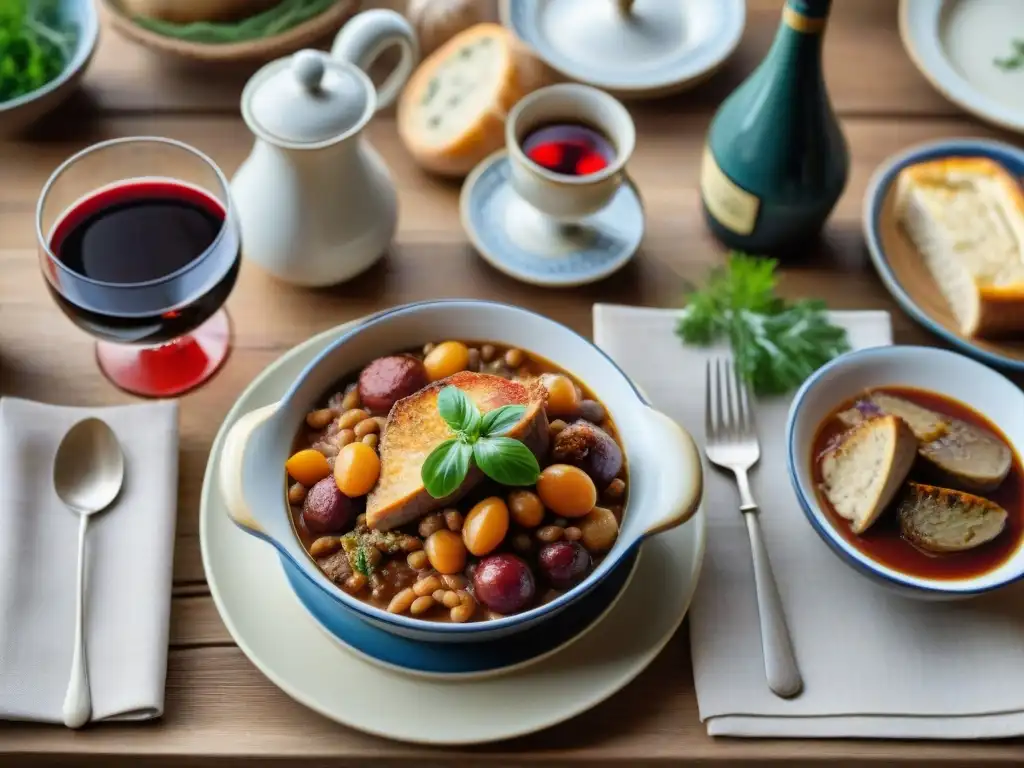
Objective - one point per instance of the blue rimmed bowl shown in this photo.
(18, 114)
(900, 266)
(665, 480)
(929, 368)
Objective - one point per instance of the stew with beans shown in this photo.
(489, 549)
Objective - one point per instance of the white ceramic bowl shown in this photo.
(930, 368)
(18, 114)
(665, 478)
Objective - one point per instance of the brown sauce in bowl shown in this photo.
(884, 543)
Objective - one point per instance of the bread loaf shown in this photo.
(452, 112)
(965, 215)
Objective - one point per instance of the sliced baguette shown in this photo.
(862, 474)
(965, 216)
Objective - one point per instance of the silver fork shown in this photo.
(731, 443)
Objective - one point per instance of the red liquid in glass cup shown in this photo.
(570, 149)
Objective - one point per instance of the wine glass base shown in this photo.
(170, 369)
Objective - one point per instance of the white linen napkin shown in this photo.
(129, 554)
(875, 665)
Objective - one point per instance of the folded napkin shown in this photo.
(875, 665)
(129, 553)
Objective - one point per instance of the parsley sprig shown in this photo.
(775, 344)
(480, 439)
(1015, 60)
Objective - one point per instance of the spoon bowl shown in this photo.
(88, 472)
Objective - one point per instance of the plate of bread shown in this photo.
(944, 224)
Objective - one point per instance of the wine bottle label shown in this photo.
(731, 205)
(806, 16)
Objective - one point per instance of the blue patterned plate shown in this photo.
(522, 242)
(463, 660)
(640, 48)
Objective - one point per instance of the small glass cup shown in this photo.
(159, 334)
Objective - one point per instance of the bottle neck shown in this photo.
(806, 17)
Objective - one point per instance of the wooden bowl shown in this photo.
(304, 35)
(18, 114)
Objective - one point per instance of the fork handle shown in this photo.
(776, 646)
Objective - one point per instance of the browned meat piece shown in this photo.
(414, 428)
(944, 520)
(959, 454)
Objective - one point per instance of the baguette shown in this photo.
(965, 216)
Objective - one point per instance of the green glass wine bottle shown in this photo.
(776, 159)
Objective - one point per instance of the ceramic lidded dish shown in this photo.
(942, 374)
(21, 112)
(665, 478)
(633, 49)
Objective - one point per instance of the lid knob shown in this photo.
(308, 67)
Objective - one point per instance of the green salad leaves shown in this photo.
(35, 45)
(480, 439)
(776, 345)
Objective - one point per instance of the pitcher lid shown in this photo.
(307, 99)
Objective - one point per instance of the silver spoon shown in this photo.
(87, 474)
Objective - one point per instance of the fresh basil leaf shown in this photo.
(460, 413)
(501, 420)
(506, 460)
(446, 467)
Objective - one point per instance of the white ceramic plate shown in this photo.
(659, 47)
(284, 642)
(955, 44)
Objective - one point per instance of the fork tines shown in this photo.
(727, 408)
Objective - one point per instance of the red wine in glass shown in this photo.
(145, 265)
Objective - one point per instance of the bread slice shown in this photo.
(862, 474)
(965, 215)
(414, 428)
(451, 114)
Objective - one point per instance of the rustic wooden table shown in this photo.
(220, 710)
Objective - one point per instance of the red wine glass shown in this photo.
(140, 247)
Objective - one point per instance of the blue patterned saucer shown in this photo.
(517, 239)
(463, 660)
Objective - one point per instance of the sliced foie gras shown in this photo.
(944, 520)
(964, 455)
(862, 474)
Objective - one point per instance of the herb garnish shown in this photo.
(776, 345)
(35, 45)
(1014, 60)
(480, 439)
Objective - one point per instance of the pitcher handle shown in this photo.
(367, 35)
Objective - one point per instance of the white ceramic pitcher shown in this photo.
(316, 202)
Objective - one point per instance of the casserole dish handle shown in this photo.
(680, 475)
(231, 468)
